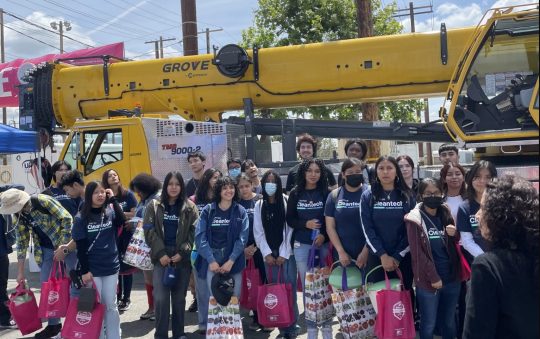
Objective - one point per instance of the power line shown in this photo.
(158, 45)
(31, 37)
(45, 28)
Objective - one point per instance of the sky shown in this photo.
(101, 22)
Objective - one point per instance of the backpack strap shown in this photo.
(335, 194)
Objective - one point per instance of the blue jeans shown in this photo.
(437, 309)
(106, 287)
(301, 254)
(47, 258)
(289, 276)
(202, 293)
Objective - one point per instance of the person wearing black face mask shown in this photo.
(342, 218)
(432, 239)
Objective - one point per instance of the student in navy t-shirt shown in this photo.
(305, 214)
(221, 235)
(128, 202)
(95, 231)
(342, 218)
(435, 261)
(169, 230)
(382, 210)
(476, 179)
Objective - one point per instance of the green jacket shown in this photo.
(154, 233)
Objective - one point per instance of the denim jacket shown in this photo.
(237, 237)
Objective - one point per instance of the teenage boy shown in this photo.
(197, 162)
(306, 147)
(448, 153)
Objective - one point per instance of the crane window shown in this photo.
(101, 148)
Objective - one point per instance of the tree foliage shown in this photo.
(294, 22)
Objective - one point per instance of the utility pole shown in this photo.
(370, 111)
(411, 12)
(60, 25)
(158, 46)
(189, 27)
(2, 60)
(207, 31)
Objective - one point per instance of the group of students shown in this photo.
(213, 223)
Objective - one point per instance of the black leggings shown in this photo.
(125, 284)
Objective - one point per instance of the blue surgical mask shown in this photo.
(270, 188)
(234, 172)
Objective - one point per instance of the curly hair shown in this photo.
(308, 139)
(322, 184)
(201, 194)
(510, 213)
(146, 184)
(222, 183)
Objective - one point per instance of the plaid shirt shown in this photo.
(56, 225)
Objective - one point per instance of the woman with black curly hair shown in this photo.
(503, 297)
(305, 214)
(205, 191)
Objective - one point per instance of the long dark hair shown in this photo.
(278, 196)
(322, 184)
(473, 171)
(510, 212)
(399, 182)
(443, 212)
(220, 184)
(146, 184)
(165, 195)
(201, 194)
(444, 173)
(56, 166)
(122, 192)
(88, 192)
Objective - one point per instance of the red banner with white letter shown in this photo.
(12, 72)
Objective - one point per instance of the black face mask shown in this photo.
(354, 180)
(433, 202)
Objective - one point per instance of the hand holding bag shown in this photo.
(169, 276)
(251, 280)
(395, 318)
(82, 324)
(54, 298)
(355, 313)
(24, 309)
(274, 303)
(138, 252)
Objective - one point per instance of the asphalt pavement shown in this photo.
(133, 327)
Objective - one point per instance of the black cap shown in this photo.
(222, 288)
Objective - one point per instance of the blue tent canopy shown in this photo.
(13, 140)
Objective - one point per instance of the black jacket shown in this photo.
(503, 298)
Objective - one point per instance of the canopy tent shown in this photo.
(13, 140)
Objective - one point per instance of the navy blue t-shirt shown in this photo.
(71, 205)
(128, 201)
(103, 256)
(170, 224)
(220, 227)
(345, 211)
(467, 221)
(310, 206)
(438, 249)
(383, 223)
(249, 205)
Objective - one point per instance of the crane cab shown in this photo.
(493, 94)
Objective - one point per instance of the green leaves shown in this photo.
(294, 22)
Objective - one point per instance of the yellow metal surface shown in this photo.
(533, 107)
(403, 66)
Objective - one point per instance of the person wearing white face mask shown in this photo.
(234, 167)
(273, 238)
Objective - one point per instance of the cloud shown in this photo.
(506, 3)
(118, 17)
(21, 46)
(451, 14)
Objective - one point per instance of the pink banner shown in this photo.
(12, 72)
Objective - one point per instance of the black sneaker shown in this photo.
(124, 305)
(8, 324)
(193, 307)
(50, 331)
